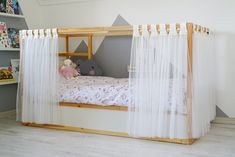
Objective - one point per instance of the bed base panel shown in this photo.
(109, 133)
(109, 107)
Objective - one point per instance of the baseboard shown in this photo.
(7, 113)
(224, 120)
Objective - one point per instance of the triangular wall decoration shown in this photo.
(220, 113)
(82, 47)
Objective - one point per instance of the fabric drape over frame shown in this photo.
(38, 85)
(169, 99)
(158, 82)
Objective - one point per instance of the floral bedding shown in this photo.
(97, 90)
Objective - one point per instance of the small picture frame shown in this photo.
(15, 64)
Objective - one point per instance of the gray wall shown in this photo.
(8, 92)
(8, 97)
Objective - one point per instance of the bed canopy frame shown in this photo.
(90, 33)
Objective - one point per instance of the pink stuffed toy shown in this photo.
(68, 69)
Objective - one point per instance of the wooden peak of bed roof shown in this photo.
(118, 30)
(91, 32)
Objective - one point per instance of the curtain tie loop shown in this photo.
(162, 28)
(136, 30)
(145, 30)
(24, 33)
(30, 33)
(173, 30)
(54, 33)
(153, 30)
(41, 33)
(183, 28)
(35, 32)
(48, 32)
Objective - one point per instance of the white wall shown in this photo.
(33, 13)
(215, 14)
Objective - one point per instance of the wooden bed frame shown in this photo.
(110, 107)
(121, 31)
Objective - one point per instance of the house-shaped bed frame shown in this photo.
(111, 120)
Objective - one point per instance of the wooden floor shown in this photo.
(21, 141)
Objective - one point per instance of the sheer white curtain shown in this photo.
(203, 107)
(37, 92)
(158, 82)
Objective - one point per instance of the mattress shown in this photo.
(97, 90)
(104, 91)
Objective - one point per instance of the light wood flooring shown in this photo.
(21, 141)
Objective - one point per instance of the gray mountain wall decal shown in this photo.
(113, 55)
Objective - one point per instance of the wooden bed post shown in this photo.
(67, 43)
(89, 47)
(190, 79)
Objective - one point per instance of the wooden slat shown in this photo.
(67, 44)
(94, 29)
(126, 33)
(90, 47)
(67, 54)
(114, 34)
(109, 133)
(76, 35)
(69, 104)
